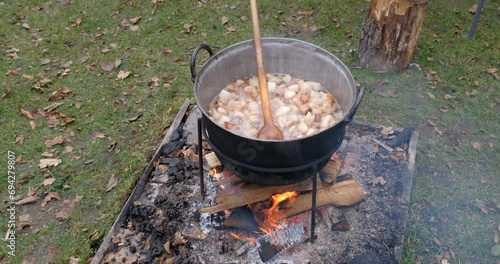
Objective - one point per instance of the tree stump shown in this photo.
(389, 34)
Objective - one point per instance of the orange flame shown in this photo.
(216, 175)
(273, 214)
(249, 239)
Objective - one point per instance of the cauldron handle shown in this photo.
(354, 108)
(192, 62)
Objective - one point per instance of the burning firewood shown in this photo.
(254, 193)
(344, 193)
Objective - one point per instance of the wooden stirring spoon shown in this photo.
(270, 130)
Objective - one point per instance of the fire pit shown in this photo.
(169, 223)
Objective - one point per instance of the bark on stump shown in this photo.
(389, 34)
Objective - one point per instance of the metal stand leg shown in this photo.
(200, 160)
(313, 210)
(476, 18)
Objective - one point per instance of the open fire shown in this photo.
(270, 217)
(260, 216)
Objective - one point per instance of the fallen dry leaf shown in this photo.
(77, 22)
(166, 51)
(438, 130)
(443, 109)
(438, 242)
(32, 124)
(20, 139)
(476, 145)
(67, 149)
(52, 121)
(187, 27)
(111, 183)
(431, 96)
(492, 70)
(50, 196)
(48, 181)
(473, 9)
(379, 180)
(230, 30)
(133, 119)
(166, 246)
(27, 200)
(26, 113)
(26, 26)
(97, 134)
(44, 163)
(62, 215)
(48, 154)
(444, 261)
(179, 240)
(55, 141)
(122, 75)
(224, 20)
(473, 93)
(31, 192)
(482, 206)
(65, 90)
(134, 20)
(376, 149)
(78, 105)
(448, 96)
(155, 81)
(67, 120)
(67, 206)
(45, 61)
(475, 83)
(118, 62)
(386, 131)
(73, 260)
(392, 92)
(12, 72)
(24, 220)
(52, 106)
(162, 168)
(107, 65)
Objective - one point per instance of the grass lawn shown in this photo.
(88, 87)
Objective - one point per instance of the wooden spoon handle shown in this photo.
(264, 94)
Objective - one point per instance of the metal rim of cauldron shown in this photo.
(264, 164)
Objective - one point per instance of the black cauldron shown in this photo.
(274, 162)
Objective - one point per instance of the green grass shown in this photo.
(449, 175)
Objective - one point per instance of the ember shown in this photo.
(249, 239)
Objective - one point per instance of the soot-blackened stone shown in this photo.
(142, 210)
(132, 249)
